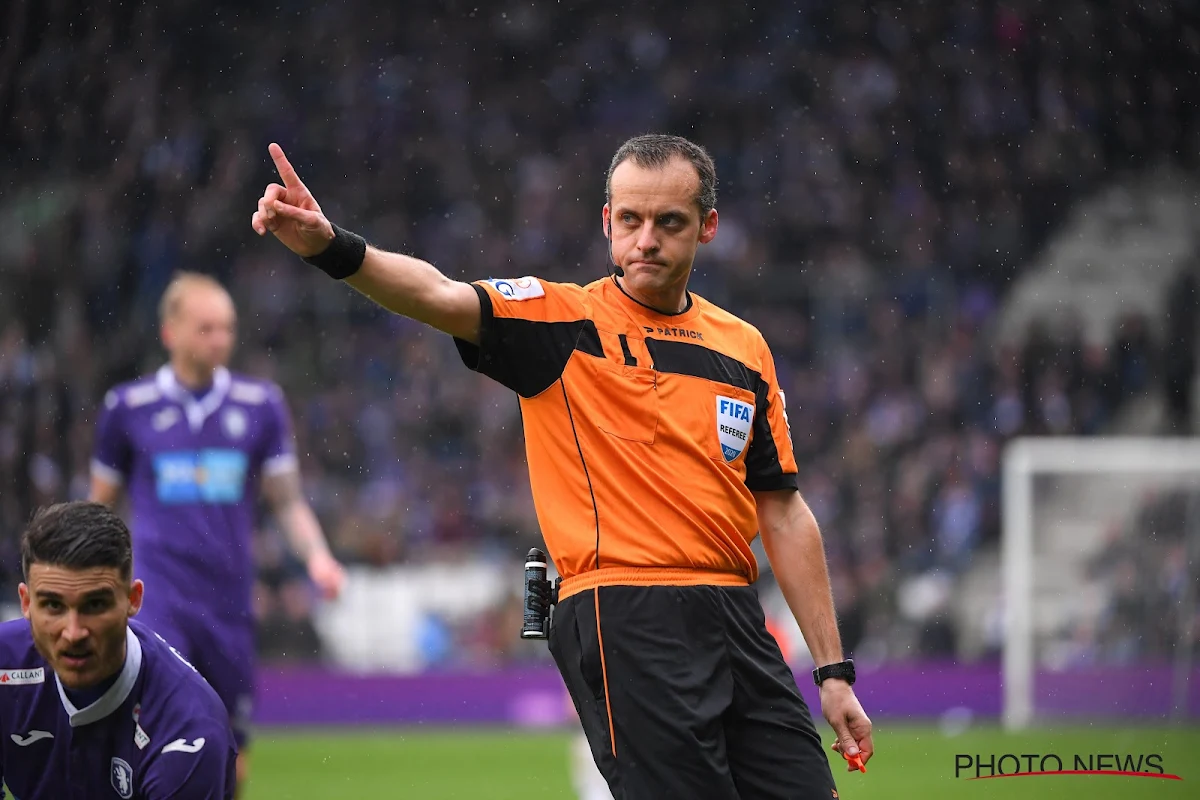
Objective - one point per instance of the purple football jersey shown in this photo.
(159, 732)
(192, 469)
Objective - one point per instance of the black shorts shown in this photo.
(684, 694)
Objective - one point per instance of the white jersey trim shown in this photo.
(111, 700)
(196, 412)
(281, 464)
(107, 473)
(250, 393)
(142, 393)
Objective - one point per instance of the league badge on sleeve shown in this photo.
(525, 288)
(734, 419)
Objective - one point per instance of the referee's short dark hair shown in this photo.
(77, 535)
(654, 150)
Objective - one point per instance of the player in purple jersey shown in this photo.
(191, 446)
(92, 703)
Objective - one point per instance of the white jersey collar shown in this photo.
(111, 700)
(196, 411)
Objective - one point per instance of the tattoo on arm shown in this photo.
(282, 489)
(291, 510)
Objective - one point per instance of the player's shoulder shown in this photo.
(136, 393)
(252, 391)
(184, 718)
(22, 669)
(16, 646)
(163, 663)
(174, 688)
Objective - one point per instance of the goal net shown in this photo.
(1100, 563)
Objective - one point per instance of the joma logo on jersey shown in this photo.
(734, 420)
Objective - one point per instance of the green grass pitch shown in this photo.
(913, 761)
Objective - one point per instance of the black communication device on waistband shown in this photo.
(540, 595)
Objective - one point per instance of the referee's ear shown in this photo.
(708, 226)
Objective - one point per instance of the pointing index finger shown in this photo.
(290, 179)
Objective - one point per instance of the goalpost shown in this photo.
(1066, 504)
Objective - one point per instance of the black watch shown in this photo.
(842, 669)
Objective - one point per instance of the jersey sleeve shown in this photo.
(770, 462)
(198, 764)
(279, 455)
(527, 332)
(112, 452)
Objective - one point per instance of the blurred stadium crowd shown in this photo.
(1147, 562)
(885, 170)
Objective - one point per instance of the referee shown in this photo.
(658, 448)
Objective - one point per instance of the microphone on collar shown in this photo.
(617, 270)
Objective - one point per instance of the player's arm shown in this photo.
(402, 284)
(281, 488)
(283, 491)
(104, 490)
(198, 766)
(112, 454)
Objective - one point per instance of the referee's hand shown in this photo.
(845, 715)
(291, 213)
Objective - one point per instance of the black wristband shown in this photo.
(342, 257)
(841, 669)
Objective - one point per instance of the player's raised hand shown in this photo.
(291, 213)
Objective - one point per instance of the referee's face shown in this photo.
(656, 228)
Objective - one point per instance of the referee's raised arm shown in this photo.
(402, 284)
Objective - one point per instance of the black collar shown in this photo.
(684, 310)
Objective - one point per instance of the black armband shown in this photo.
(342, 257)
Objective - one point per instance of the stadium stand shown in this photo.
(888, 173)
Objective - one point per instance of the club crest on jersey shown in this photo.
(734, 419)
(525, 288)
(122, 778)
(234, 423)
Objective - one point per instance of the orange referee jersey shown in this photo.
(645, 432)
